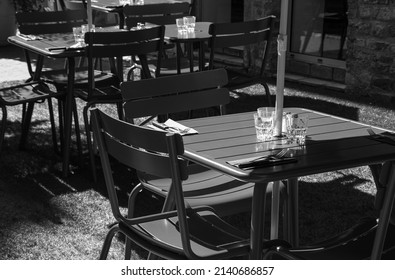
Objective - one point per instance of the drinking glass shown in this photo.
(79, 36)
(189, 22)
(297, 127)
(263, 126)
(85, 28)
(180, 24)
(125, 2)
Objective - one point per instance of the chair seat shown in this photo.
(211, 237)
(26, 93)
(59, 77)
(208, 187)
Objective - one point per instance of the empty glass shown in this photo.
(190, 22)
(297, 127)
(263, 125)
(79, 36)
(85, 28)
(125, 2)
(180, 25)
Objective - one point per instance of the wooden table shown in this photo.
(333, 143)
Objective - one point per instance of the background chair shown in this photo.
(159, 14)
(97, 87)
(257, 32)
(36, 24)
(26, 94)
(184, 233)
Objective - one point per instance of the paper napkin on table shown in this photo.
(173, 126)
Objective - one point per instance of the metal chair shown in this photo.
(96, 87)
(24, 94)
(180, 93)
(38, 23)
(183, 233)
(249, 33)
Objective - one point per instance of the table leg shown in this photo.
(257, 220)
(293, 211)
(68, 108)
(385, 213)
(275, 213)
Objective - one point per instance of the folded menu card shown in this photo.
(173, 126)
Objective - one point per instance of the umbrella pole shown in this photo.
(282, 48)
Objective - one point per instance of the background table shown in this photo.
(333, 143)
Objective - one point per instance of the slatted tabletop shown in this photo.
(332, 143)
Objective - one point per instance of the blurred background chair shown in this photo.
(99, 87)
(27, 93)
(183, 233)
(228, 35)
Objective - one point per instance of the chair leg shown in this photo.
(53, 126)
(89, 142)
(3, 125)
(26, 125)
(131, 203)
(77, 131)
(107, 242)
(60, 112)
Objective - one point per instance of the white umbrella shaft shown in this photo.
(282, 45)
(89, 13)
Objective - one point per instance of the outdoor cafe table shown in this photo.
(332, 143)
(43, 49)
(199, 36)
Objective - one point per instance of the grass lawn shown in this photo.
(46, 216)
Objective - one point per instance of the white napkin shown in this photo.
(173, 126)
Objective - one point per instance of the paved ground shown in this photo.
(13, 64)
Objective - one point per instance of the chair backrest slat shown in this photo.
(122, 43)
(50, 22)
(161, 14)
(242, 34)
(182, 102)
(179, 93)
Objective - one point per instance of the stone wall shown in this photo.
(371, 47)
(370, 58)
(254, 9)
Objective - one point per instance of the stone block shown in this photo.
(321, 72)
(339, 75)
(298, 67)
